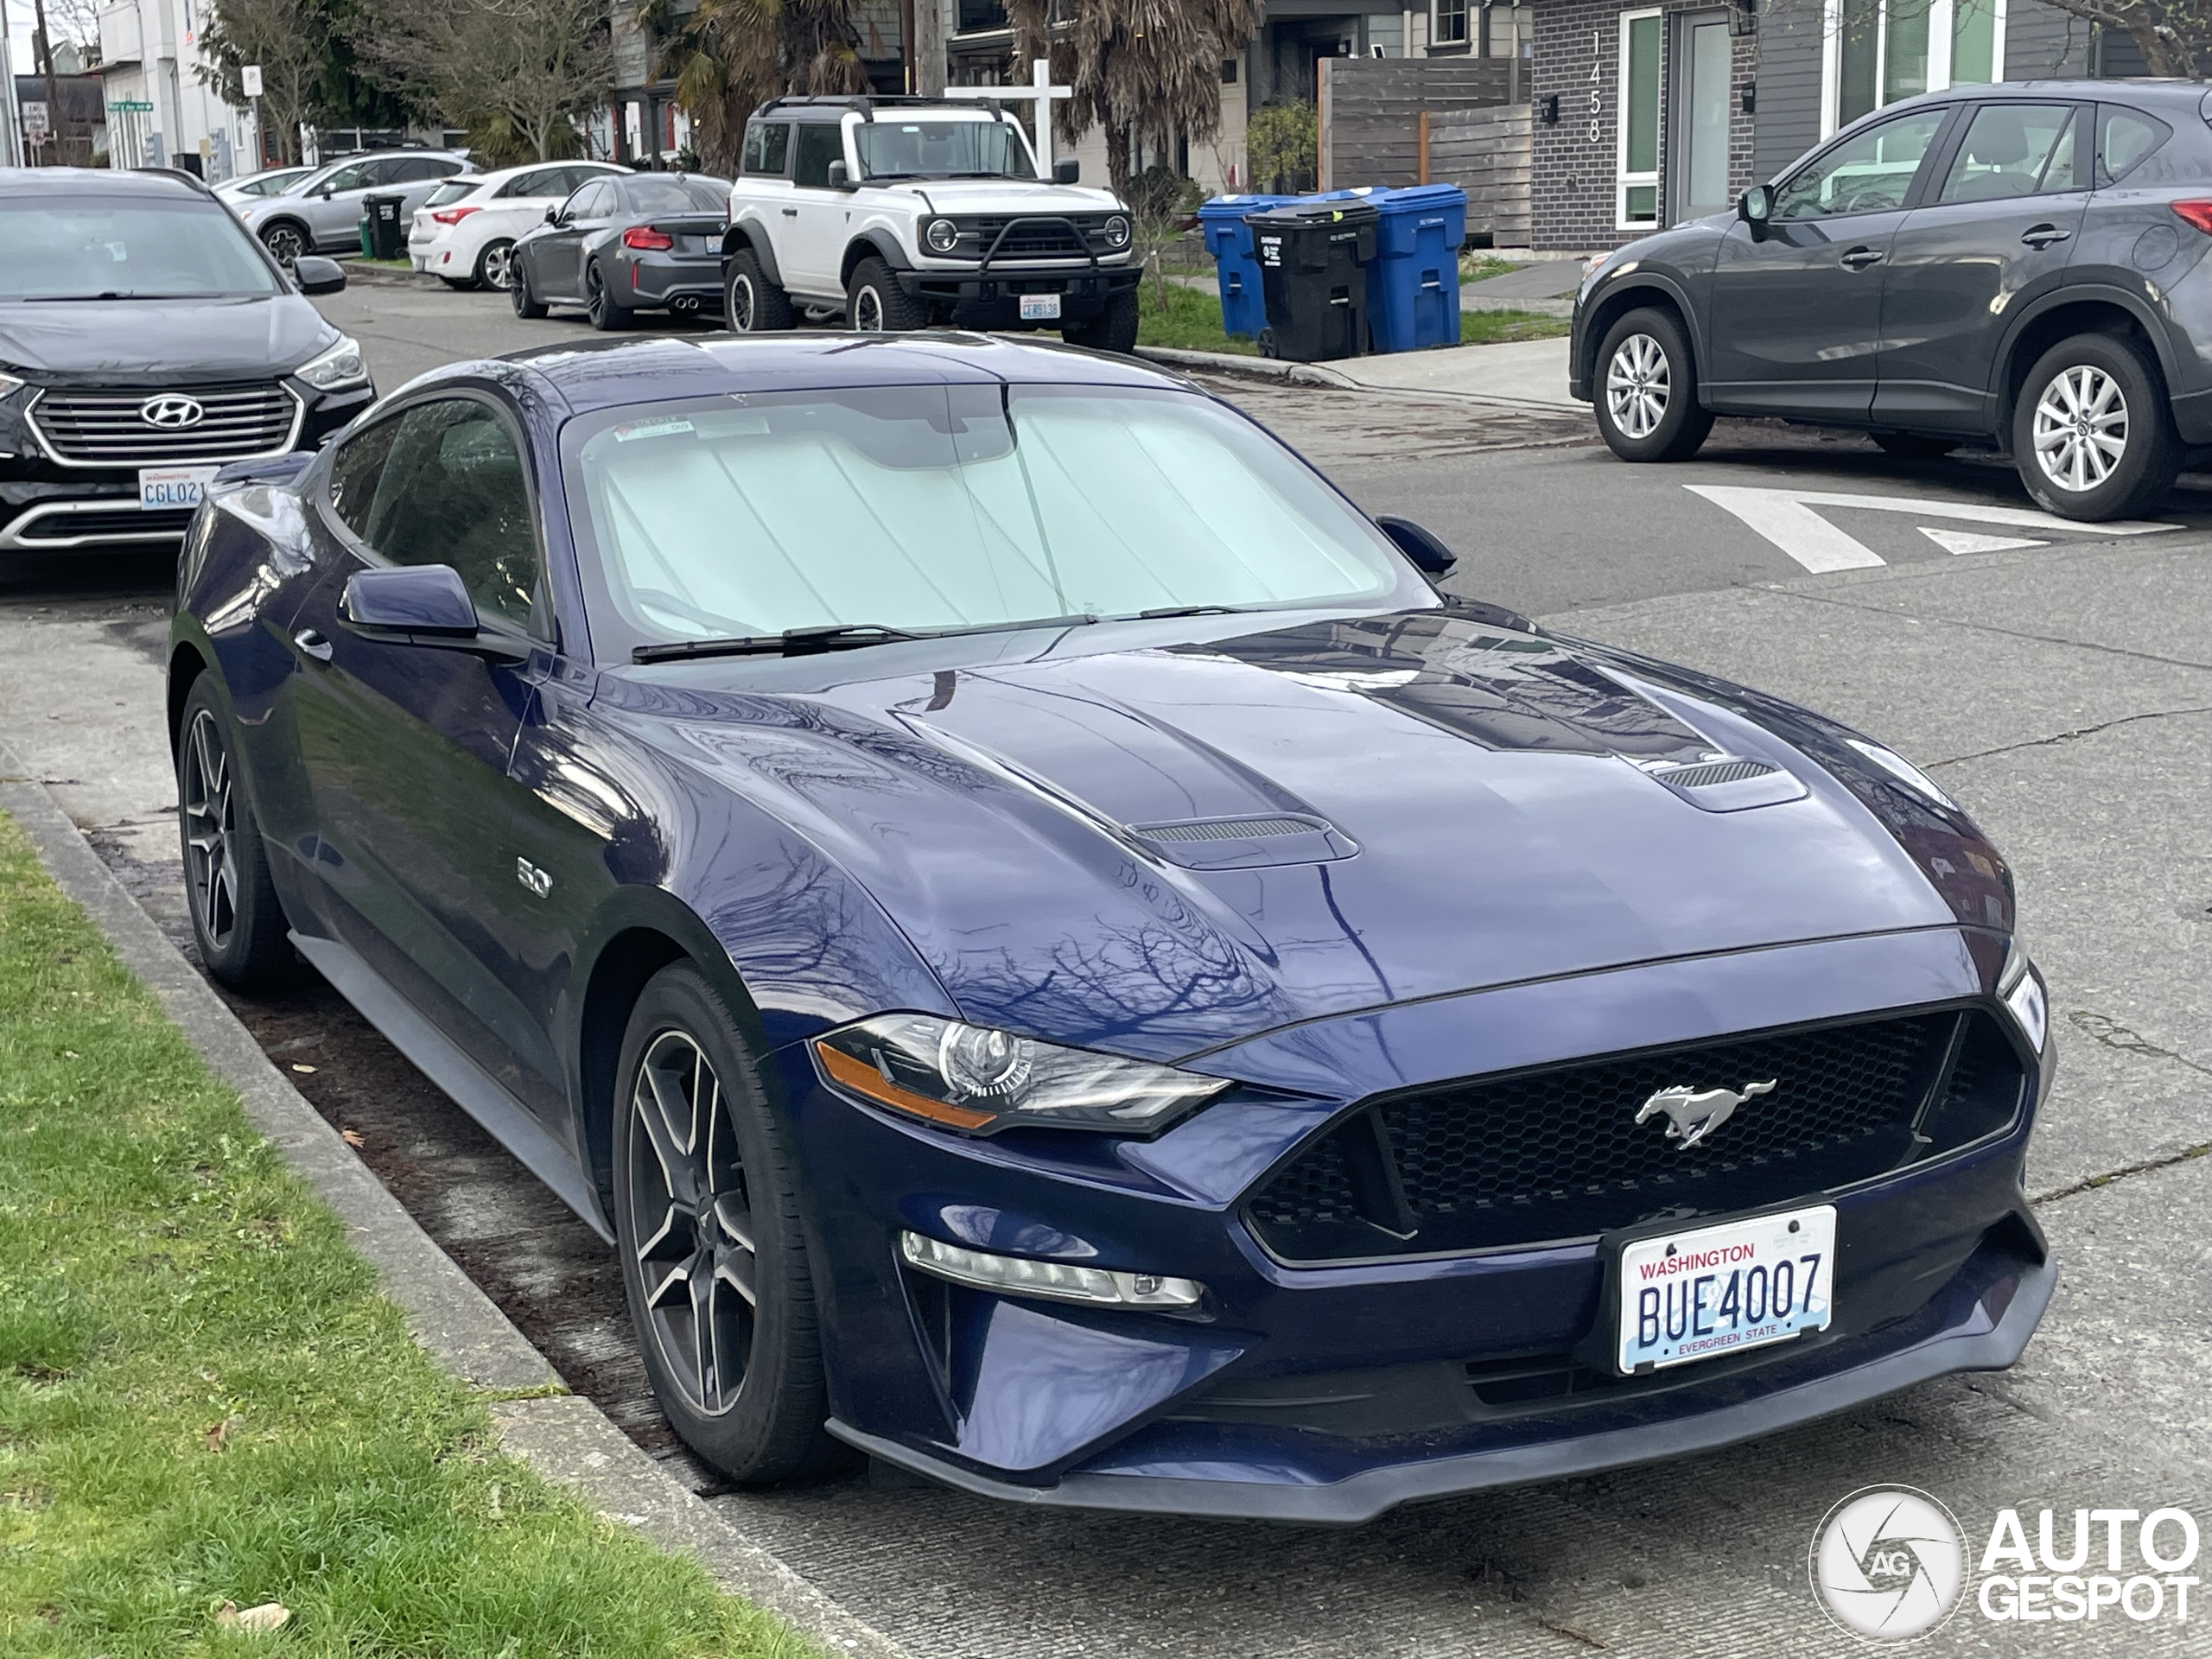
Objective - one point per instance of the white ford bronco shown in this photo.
(902, 213)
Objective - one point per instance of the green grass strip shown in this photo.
(1191, 321)
(204, 1398)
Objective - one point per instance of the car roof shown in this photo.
(100, 181)
(614, 374)
(2151, 91)
(500, 175)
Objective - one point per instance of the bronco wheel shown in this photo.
(876, 304)
(285, 241)
(1647, 390)
(751, 303)
(1113, 329)
(606, 313)
(492, 261)
(2090, 433)
(527, 304)
(713, 1254)
(238, 921)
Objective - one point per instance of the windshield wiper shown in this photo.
(109, 294)
(1165, 610)
(839, 636)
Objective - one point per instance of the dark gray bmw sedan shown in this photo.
(2019, 264)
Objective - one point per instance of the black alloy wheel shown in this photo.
(607, 313)
(285, 241)
(527, 306)
(237, 922)
(707, 1221)
(1646, 390)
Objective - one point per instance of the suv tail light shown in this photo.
(645, 236)
(2196, 214)
(455, 215)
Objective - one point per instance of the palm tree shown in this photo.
(1146, 71)
(729, 56)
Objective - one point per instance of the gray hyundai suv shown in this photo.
(2021, 265)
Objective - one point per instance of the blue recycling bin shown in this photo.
(1235, 271)
(1413, 286)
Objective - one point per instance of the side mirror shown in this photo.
(1067, 172)
(315, 275)
(420, 605)
(324, 193)
(1429, 556)
(552, 215)
(1755, 206)
(841, 177)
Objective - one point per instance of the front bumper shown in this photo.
(1330, 1393)
(992, 300)
(47, 507)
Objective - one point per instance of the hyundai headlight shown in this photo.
(8, 385)
(942, 235)
(2021, 990)
(980, 1081)
(341, 365)
(1117, 231)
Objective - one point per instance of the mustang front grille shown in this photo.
(1558, 1154)
(113, 428)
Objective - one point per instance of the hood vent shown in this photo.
(1728, 783)
(1245, 843)
(1717, 771)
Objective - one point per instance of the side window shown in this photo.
(355, 472)
(817, 144)
(2014, 149)
(768, 148)
(347, 178)
(571, 178)
(415, 169)
(592, 201)
(1868, 174)
(545, 182)
(386, 170)
(2126, 138)
(450, 491)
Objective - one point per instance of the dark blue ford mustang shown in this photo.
(1061, 961)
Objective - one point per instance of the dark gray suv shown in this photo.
(2019, 263)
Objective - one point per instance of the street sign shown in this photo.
(126, 106)
(252, 76)
(34, 122)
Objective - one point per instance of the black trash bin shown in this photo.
(387, 230)
(1313, 258)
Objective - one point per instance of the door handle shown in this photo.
(790, 212)
(312, 644)
(2042, 235)
(1860, 259)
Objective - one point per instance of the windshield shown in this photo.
(667, 195)
(88, 249)
(942, 150)
(934, 508)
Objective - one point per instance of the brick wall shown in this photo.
(1574, 166)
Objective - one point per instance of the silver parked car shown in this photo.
(324, 210)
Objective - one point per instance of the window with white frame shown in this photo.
(1448, 22)
(1637, 195)
(1879, 51)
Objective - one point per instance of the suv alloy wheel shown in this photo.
(2091, 435)
(1647, 390)
(285, 241)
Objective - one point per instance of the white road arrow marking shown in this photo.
(1786, 518)
(1968, 541)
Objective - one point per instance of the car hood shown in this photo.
(1159, 850)
(161, 342)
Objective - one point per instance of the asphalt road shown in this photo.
(2061, 686)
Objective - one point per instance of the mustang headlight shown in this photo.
(942, 236)
(2021, 988)
(341, 365)
(1117, 231)
(980, 1081)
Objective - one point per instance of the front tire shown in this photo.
(1647, 390)
(286, 241)
(751, 303)
(492, 260)
(876, 304)
(712, 1252)
(527, 306)
(607, 315)
(2091, 434)
(238, 921)
(1113, 329)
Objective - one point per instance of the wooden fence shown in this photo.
(1371, 110)
(1485, 152)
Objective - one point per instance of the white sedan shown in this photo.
(466, 232)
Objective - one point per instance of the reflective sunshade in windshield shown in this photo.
(124, 250)
(939, 149)
(929, 507)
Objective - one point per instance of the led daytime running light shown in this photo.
(1058, 1281)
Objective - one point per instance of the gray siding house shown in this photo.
(1646, 113)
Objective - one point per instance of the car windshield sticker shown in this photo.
(624, 433)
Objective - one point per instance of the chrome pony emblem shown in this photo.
(172, 412)
(1691, 1114)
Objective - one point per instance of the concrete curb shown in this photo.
(1255, 368)
(564, 1437)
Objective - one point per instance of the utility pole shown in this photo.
(52, 89)
(927, 69)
